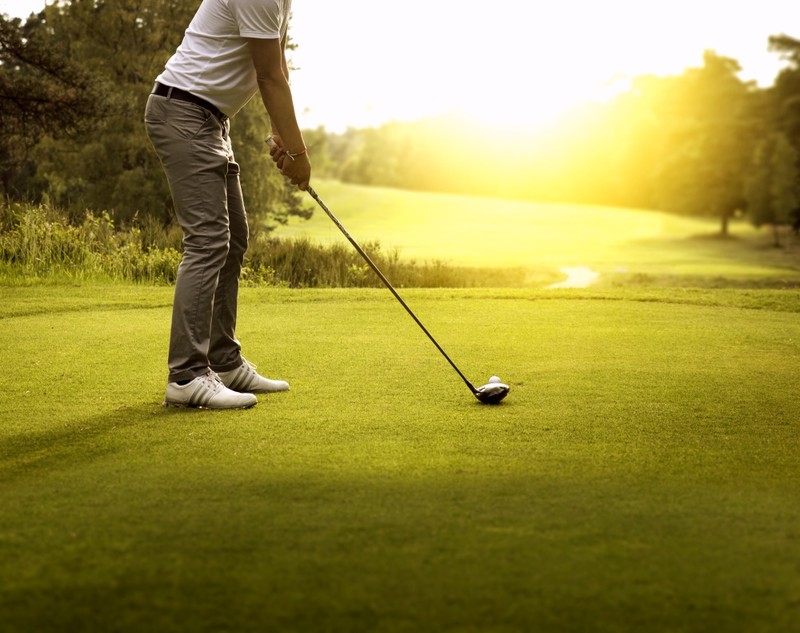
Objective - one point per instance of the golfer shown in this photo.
(232, 50)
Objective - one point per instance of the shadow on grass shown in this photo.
(81, 441)
(459, 550)
(85, 440)
(709, 282)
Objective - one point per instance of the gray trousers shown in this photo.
(195, 150)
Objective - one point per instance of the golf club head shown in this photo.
(492, 393)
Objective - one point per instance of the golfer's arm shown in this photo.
(285, 66)
(273, 83)
(284, 63)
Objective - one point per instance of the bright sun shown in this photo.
(506, 62)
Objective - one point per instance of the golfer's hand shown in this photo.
(298, 170)
(276, 150)
(275, 144)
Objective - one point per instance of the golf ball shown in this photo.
(495, 379)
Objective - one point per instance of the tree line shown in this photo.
(74, 80)
(704, 142)
(75, 77)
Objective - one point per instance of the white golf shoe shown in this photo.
(207, 392)
(246, 379)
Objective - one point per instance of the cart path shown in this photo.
(577, 277)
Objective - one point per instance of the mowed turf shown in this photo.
(642, 475)
(623, 245)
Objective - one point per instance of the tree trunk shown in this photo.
(776, 236)
(723, 229)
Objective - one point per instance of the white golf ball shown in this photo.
(495, 379)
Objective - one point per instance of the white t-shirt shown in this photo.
(213, 60)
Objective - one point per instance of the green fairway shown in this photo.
(642, 475)
(624, 245)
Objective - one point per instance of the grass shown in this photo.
(418, 240)
(641, 475)
(627, 246)
(41, 244)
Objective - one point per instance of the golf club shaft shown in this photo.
(385, 281)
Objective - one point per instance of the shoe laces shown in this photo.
(250, 367)
(212, 381)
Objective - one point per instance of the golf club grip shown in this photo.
(386, 283)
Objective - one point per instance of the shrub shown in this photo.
(39, 242)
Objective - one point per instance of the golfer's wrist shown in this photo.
(294, 155)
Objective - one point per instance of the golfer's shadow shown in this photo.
(79, 441)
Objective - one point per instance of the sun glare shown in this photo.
(518, 64)
(511, 63)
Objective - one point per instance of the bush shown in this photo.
(39, 242)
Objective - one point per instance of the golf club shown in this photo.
(492, 392)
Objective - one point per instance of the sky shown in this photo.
(516, 62)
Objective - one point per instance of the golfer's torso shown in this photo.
(213, 60)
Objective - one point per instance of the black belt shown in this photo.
(176, 93)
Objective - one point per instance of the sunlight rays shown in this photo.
(515, 62)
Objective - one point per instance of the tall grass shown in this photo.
(303, 263)
(40, 243)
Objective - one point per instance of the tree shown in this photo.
(43, 91)
(785, 93)
(709, 116)
(772, 188)
(115, 168)
(112, 166)
(784, 99)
